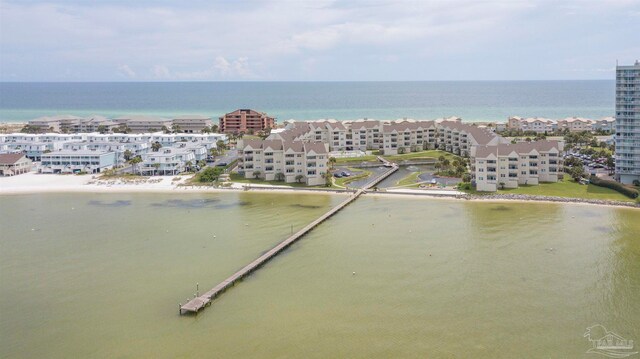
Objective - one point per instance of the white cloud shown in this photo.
(161, 72)
(126, 71)
(284, 39)
(235, 68)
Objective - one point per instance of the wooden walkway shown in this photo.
(199, 302)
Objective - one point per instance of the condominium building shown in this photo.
(292, 160)
(571, 124)
(72, 124)
(534, 124)
(191, 123)
(47, 124)
(408, 136)
(627, 137)
(167, 161)
(510, 165)
(391, 137)
(246, 121)
(141, 123)
(70, 161)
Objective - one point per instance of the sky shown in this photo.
(316, 40)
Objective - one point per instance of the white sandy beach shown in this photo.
(31, 183)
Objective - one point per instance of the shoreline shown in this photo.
(32, 183)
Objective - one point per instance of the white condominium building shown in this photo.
(69, 161)
(510, 165)
(293, 160)
(628, 123)
(167, 161)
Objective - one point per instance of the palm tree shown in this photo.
(256, 174)
(134, 162)
(202, 163)
(214, 128)
(327, 179)
(332, 161)
(299, 178)
(445, 162)
(188, 165)
(221, 146)
(175, 128)
(155, 168)
(279, 176)
(156, 146)
(127, 155)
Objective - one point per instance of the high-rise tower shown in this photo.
(628, 123)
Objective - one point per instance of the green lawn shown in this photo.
(568, 188)
(346, 160)
(357, 174)
(411, 179)
(421, 155)
(240, 179)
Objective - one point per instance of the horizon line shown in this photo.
(295, 81)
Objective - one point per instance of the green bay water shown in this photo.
(100, 276)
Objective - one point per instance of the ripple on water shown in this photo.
(181, 203)
(307, 206)
(121, 203)
(501, 208)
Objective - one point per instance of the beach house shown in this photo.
(12, 164)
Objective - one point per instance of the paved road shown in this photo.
(228, 157)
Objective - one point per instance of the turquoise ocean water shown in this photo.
(471, 100)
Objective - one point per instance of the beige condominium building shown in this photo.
(510, 165)
(246, 121)
(143, 123)
(191, 123)
(291, 161)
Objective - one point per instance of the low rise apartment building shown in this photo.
(166, 161)
(72, 124)
(246, 121)
(191, 123)
(292, 161)
(70, 161)
(571, 124)
(142, 123)
(510, 165)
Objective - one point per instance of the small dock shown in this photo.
(199, 302)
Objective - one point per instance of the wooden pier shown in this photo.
(201, 301)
